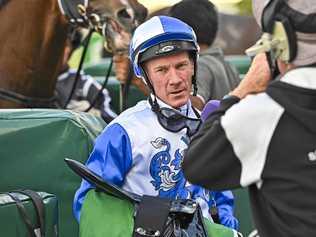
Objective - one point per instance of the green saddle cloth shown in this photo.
(105, 215)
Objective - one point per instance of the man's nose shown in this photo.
(174, 77)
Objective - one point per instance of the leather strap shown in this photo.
(40, 212)
(32, 102)
(23, 214)
(40, 208)
(70, 9)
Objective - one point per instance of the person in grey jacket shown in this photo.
(215, 76)
(264, 132)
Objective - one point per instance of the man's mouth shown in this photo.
(177, 92)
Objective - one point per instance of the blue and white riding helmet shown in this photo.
(161, 35)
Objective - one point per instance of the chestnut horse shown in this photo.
(33, 35)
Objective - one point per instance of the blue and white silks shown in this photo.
(137, 154)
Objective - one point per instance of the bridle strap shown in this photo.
(31, 102)
(70, 10)
(94, 101)
(79, 68)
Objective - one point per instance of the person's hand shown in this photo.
(121, 65)
(257, 78)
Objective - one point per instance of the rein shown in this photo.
(28, 101)
(75, 11)
(79, 68)
(102, 88)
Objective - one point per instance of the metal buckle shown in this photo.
(151, 233)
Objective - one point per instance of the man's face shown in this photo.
(171, 78)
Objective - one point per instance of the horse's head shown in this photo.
(120, 18)
(127, 13)
(115, 19)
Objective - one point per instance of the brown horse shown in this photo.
(32, 39)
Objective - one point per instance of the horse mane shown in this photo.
(3, 2)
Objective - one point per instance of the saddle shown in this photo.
(153, 216)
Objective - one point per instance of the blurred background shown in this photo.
(231, 14)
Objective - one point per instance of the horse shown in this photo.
(32, 40)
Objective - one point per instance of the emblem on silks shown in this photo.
(168, 177)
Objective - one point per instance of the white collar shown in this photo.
(301, 77)
(186, 109)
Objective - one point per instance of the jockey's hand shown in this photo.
(257, 78)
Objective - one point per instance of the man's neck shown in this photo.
(183, 109)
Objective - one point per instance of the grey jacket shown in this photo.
(215, 76)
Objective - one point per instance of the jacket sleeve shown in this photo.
(232, 147)
(224, 202)
(111, 158)
(210, 161)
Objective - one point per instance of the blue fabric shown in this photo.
(167, 29)
(171, 24)
(173, 29)
(111, 158)
(225, 203)
(165, 38)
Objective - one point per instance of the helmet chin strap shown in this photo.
(153, 103)
(194, 76)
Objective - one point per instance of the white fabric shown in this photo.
(149, 141)
(147, 31)
(301, 77)
(250, 139)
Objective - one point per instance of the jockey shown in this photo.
(142, 149)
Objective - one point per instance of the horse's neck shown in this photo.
(32, 38)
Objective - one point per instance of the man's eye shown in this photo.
(161, 70)
(183, 66)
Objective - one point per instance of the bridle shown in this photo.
(76, 13)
